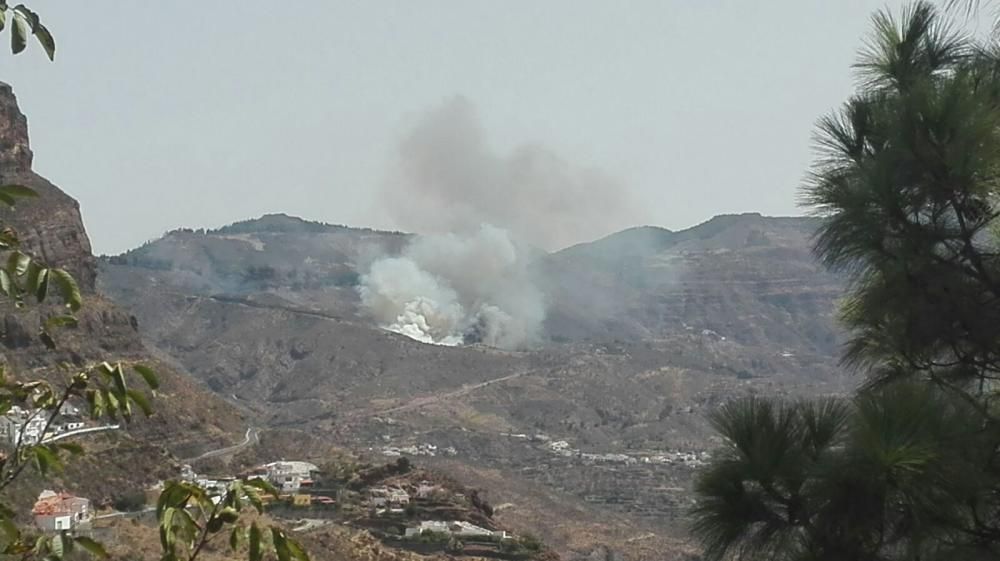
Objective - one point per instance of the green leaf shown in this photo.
(3, 17)
(29, 16)
(120, 396)
(8, 239)
(6, 283)
(106, 369)
(56, 547)
(148, 375)
(66, 542)
(118, 377)
(175, 495)
(17, 263)
(55, 321)
(45, 460)
(298, 552)
(7, 200)
(112, 404)
(281, 545)
(96, 402)
(42, 285)
(10, 529)
(214, 525)
(256, 553)
(41, 545)
(46, 40)
(92, 547)
(234, 538)
(139, 399)
(18, 33)
(32, 272)
(254, 499)
(68, 288)
(166, 516)
(263, 485)
(17, 191)
(229, 515)
(71, 447)
(47, 340)
(187, 522)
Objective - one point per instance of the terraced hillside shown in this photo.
(646, 331)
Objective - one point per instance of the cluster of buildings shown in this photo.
(293, 480)
(60, 511)
(26, 426)
(55, 512)
(394, 499)
(388, 499)
(422, 449)
(455, 528)
(686, 459)
(287, 476)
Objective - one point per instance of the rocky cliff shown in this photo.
(50, 227)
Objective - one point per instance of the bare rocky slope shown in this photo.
(591, 437)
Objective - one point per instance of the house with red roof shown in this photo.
(61, 511)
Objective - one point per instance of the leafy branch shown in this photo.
(190, 517)
(22, 22)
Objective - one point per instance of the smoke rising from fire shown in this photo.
(450, 289)
(466, 278)
(447, 179)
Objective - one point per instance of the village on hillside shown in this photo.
(397, 503)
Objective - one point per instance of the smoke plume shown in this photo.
(447, 179)
(465, 279)
(450, 289)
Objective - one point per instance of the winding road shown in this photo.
(252, 437)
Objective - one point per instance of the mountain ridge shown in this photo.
(646, 331)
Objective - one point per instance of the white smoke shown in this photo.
(449, 289)
(467, 279)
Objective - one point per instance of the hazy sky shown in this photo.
(158, 115)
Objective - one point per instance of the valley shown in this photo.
(646, 332)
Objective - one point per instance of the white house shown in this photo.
(456, 528)
(61, 511)
(288, 476)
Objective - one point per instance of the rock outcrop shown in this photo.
(50, 226)
(51, 230)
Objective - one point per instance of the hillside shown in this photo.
(51, 228)
(189, 418)
(646, 331)
(747, 277)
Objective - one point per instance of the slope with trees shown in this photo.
(908, 469)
